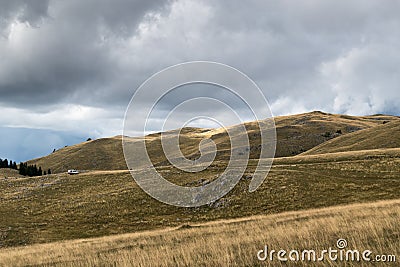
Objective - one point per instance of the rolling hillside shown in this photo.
(101, 154)
(295, 134)
(105, 200)
(232, 242)
(97, 203)
(378, 137)
(5, 173)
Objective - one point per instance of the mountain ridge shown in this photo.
(296, 134)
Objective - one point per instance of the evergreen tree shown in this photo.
(21, 168)
(8, 164)
(30, 170)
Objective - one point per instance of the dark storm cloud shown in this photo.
(289, 45)
(31, 12)
(70, 67)
(336, 56)
(62, 51)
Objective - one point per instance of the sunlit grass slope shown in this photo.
(235, 242)
(295, 134)
(61, 207)
(378, 137)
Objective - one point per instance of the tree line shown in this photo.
(31, 170)
(24, 169)
(4, 163)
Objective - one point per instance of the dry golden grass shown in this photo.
(104, 200)
(370, 154)
(299, 133)
(101, 203)
(101, 154)
(9, 173)
(374, 226)
(381, 136)
(295, 134)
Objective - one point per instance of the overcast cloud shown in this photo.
(72, 66)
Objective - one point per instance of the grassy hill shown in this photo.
(299, 133)
(104, 199)
(295, 134)
(61, 207)
(234, 242)
(101, 154)
(9, 173)
(381, 136)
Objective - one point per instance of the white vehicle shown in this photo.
(71, 172)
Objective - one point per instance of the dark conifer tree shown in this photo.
(21, 168)
(2, 163)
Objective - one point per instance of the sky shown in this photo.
(68, 69)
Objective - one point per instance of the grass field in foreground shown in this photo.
(373, 226)
(61, 207)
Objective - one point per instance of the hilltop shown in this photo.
(377, 137)
(98, 203)
(295, 135)
(105, 200)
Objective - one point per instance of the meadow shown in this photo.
(235, 242)
(334, 176)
